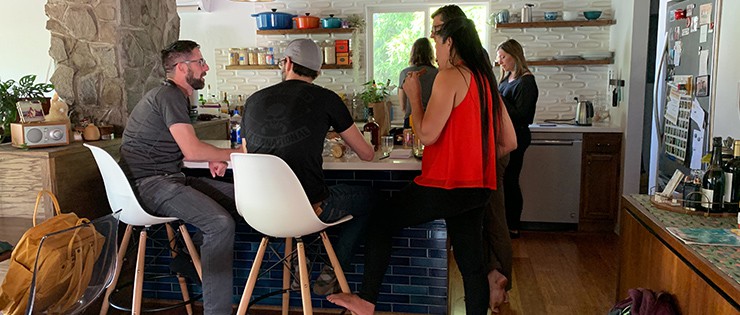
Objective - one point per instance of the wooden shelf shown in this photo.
(556, 24)
(570, 62)
(307, 31)
(271, 67)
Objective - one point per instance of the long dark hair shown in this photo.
(422, 53)
(469, 49)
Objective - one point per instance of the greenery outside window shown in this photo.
(393, 29)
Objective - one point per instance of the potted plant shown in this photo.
(375, 95)
(11, 92)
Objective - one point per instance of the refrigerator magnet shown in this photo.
(705, 13)
(702, 85)
(694, 23)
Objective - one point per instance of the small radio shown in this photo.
(39, 134)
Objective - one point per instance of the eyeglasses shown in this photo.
(201, 61)
(281, 63)
(436, 29)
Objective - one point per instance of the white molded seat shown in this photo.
(272, 201)
(121, 197)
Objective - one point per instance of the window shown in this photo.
(393, 30)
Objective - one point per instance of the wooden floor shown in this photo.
(554, 273)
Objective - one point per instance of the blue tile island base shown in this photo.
(415, 282)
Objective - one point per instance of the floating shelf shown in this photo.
(307, 31)
(568, 62)
(556, 24)
(271, 67)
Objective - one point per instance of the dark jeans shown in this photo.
(462, 210)
(345, 200)
(498, 252)
(512, 191)
(207, 204)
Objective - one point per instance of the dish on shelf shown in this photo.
(591, 15)
(538, 58)
(567, 57)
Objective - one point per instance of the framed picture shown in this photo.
(702, 85)
(30, 111)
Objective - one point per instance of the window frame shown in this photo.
(370, 10)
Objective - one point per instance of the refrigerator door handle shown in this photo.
(659, 101)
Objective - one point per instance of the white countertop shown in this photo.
(343, 163)
(596, 127)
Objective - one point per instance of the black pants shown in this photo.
(512, 191)
(462, 210)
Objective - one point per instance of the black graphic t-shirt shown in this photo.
(290, 120)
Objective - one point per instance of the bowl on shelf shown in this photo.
(551, 16)
(591, 15)
(570, 15)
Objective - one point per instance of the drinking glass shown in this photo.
(387, 145)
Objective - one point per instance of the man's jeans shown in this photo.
(344, 200)
(208, 205)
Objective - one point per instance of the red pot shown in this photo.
(306, 21)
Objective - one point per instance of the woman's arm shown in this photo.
(525, 101)
(402, 99)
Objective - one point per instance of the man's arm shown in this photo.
(356, 141)
(195, 150)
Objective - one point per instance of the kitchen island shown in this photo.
(703, 279)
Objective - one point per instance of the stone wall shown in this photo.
(108, 53)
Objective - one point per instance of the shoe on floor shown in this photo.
(183, 265)
(327, 282)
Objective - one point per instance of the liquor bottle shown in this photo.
(372, 128)
(713, 182)
(732, 181)
(201, 100)
(225, 105)
(235, 124)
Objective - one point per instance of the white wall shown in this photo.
(629, 42)
(726, 119)
(25, 40)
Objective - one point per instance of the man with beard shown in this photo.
(291, 120)
(157, 138)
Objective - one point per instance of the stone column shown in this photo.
(108, 53)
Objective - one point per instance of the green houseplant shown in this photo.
(375, 92)
(11, 92)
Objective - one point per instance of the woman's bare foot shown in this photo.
(497, 287)
(353, 303)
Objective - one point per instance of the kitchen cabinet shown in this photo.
(601, 162)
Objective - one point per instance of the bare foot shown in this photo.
(497, 287)
(353, 303)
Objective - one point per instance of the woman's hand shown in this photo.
(412, 85)
(218, 168)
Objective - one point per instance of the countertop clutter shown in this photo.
(552, 127)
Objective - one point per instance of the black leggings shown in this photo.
(512, 191)
(462, 210)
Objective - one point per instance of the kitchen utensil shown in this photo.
(274, 20)
(584, 112)
(591, 15)
(527, 13)
(570, 15)
(331, 22)
(551, 16)
(307, 21)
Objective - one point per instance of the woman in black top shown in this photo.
(519, 92)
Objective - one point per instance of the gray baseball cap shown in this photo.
(305, 52)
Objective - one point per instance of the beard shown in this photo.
(196, 84)
(283, 74)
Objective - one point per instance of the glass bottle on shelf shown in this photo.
(713, 182)
(225, 105)
(732, 180)
(372, 128)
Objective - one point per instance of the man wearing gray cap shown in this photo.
(291, 120)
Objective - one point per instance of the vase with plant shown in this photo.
(375, 96)
(11, 92)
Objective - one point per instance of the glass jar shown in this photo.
(261, 59)
(233, 56)
(253, 57)
(243, 56)
(330, 56)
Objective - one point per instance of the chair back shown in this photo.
(119, 192)
(270, 197)
(87, 272)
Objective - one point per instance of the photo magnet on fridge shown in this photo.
(702, 85)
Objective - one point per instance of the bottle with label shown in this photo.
(732, 181)
(372, 128)
(713, 182)
(225, 104)
(235, 123)
(201, 99)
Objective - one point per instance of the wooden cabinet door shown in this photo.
(600, 181)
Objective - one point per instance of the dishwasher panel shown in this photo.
(551, 178)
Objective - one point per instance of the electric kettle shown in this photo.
(584, 112)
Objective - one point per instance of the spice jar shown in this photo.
(243, 56)
(330, 56)
(253, 57)
(233, 56)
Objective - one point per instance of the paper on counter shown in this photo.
(400, 154)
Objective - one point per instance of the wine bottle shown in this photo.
(713, 182)
(732, 181)
(373, 129)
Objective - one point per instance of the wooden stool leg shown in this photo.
(139, 275)
(253, 274)
(180, 278)
(191, 248)
(119, 263)
(303, 272)
(335, 263)
(286, 275)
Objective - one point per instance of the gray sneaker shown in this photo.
(327, 282)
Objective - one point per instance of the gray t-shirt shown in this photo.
(427, 80)
(148, 147)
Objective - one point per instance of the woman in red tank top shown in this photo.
(458, 169)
